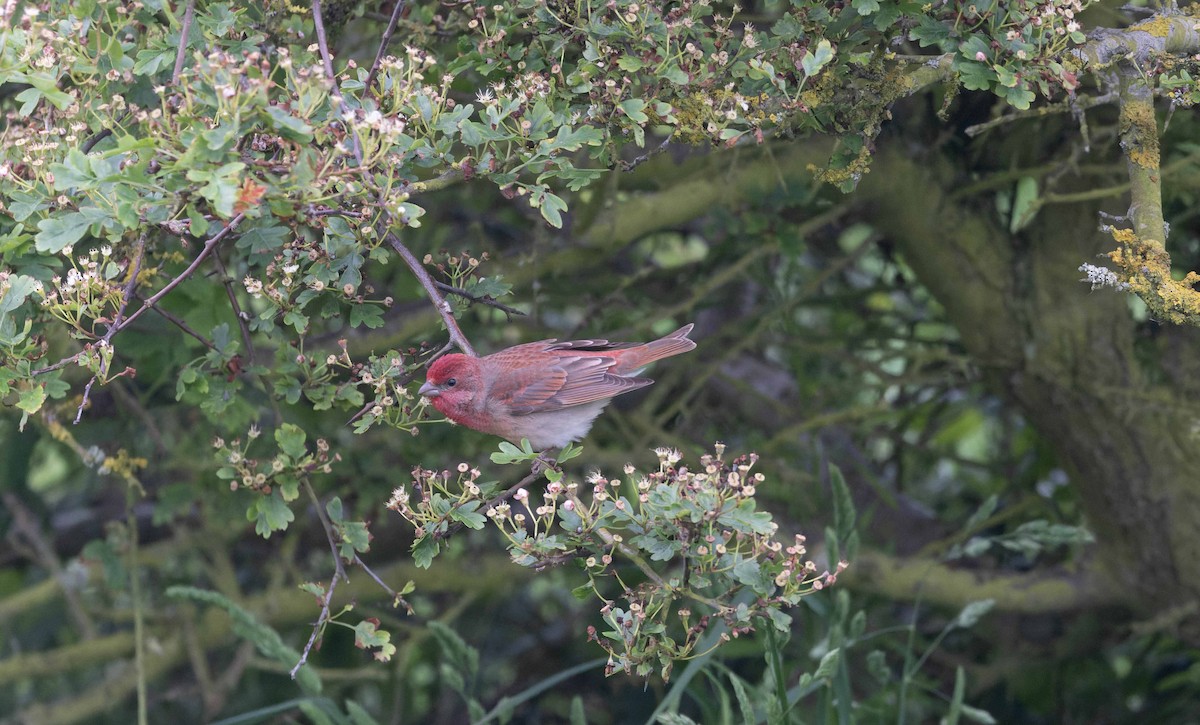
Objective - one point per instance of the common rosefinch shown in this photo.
(549, 392)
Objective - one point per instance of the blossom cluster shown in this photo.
(669, 553)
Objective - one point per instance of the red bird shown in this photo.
(549, 392)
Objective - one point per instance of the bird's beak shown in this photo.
(429, 390)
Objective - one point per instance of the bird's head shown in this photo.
(452, 383)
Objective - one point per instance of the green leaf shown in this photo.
(468, 516)
(635, 109)
(461, 657)
(262, 238)
(956, 699)
(745, 519)
(249, 628)
(30, 399)
(930, 31)
(74, 172)
(288, 126)
(975, 76)
(269, 514)
(676, 75)
(423, 551)
(818, 59)
(1025, 204)
(366, 314)
(844, 514)
(1018, 97)
(509, 453)
(20, 286)
(290, 439)
(829, 664)
(745, 704)
(62, 231)
(552, 208)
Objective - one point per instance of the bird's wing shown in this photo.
(559, 381)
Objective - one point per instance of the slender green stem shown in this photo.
(135, 593)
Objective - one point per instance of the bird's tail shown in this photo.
(676, 343)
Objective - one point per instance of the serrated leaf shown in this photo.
(290, 439)
(269, 514)
(817, 58)
(552, 207)
(423, 551)
(62, 231)
(289, 126)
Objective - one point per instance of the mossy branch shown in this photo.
(939, 583)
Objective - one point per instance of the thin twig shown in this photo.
(631, 165)
(383, 43)
(327, 62)
(483, 300)
(188, 16)
(209, 246)
(317, 626)
(339, 572)
(115, 326)
(181, 325)
(397, 600)
(237, 308)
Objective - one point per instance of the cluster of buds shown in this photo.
(669, 553)
(429, 500)
(90, 292)
(283, 471)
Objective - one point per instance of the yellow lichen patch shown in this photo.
(1139, 133)
(1158, 26)
(844, 177)
(123, 465)
(1146, 267)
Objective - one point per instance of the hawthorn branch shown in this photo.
(188, 16)
(237, 308)
(327, 63)
(181, 325)
(418, 270)
(209, 246)
(439, 302)
(1033, 592)
(484, 300)
(116, 324)
(339, 572)
(384, 40)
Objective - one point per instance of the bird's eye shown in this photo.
(451, 383)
